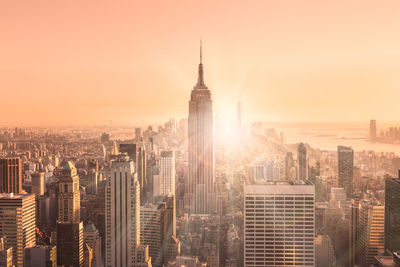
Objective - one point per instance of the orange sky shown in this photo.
(89, 62)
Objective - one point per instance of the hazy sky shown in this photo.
(89, 62)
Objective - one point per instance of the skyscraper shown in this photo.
(69, 225)
(10, 175)
(353, 233)
(68, 194)
(370, 232)
(151, 226)
(302, 158)
(372, 130)
(122, 214)
(17, 223)
(392, 214)
(167, 173)
(345, 168)
(279, 224)
(38, 183)
(201, 148)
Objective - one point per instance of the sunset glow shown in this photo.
(97, 61)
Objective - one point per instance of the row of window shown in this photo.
(280, 198)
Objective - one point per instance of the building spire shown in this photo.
(200, 79)
(201, 51)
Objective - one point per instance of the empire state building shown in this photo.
(202, 188)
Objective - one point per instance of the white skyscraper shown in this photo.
(279, 224)
(167, 173)
(122, 214)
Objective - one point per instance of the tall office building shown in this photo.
(370, 232)
(122, 222)
(141, 167)
(302, 158)
(345, 168)
(151, 226)
(201, 148)
(38, 183)
(392, 215)
(69, 225)
(70, 244)
(17, 223)
(167, 173)
(279, 224)
(372, 130)
(68, 194)
(169, 243)
(10, 175)
(353, 233)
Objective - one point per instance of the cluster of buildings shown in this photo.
(173, 196)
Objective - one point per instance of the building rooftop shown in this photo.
(69, 166)
(90, 227)
(279, 188)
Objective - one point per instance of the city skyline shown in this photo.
(266, 55)
(200, 134)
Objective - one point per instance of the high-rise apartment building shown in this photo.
(17, 223)
(201, 148)
(122, 221)
(345, 168)
(392, 215)
(370, 232)
(302, 158)
(69, 225)
(279, 224)
(167, 173)
(10, 175)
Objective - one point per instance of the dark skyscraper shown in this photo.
(302, 158)
(392, 214)
(201, 148)
(345, 168)
(10, 175)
